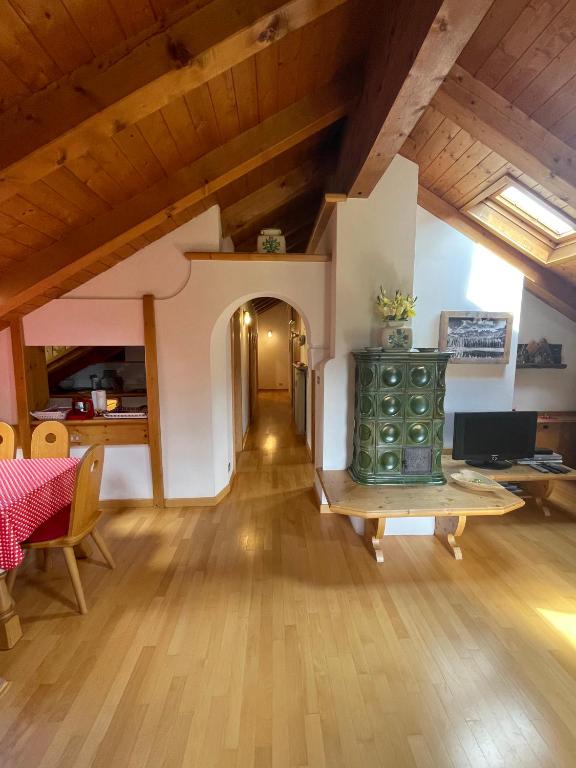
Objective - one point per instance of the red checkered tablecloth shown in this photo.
(31, 491)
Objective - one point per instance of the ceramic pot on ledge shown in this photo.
(396, 335)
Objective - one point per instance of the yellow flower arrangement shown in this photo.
(401, 307)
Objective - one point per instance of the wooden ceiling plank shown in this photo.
(97, 101)
(545, 48)
(548, 90)
(188, 186)
(268, 198)
(223, 97)
(416, 44)
(499, 19)
(137, 151)
(502, 127)
(529, 25)
(68, 185)
(97, 23)
(182, 130)
(460, 144)
(155, 131)
(540, 281)
(422, 132)
(439, 140)
(244, 75)
(465, 163)
(485, 173)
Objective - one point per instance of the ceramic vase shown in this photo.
(396, 335)
(271, 241)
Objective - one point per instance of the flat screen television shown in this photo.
(494, 439)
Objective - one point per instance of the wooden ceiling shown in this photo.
(120, 121)
(507, 108)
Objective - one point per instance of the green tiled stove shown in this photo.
(398, 417)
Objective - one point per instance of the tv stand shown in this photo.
(500, 464)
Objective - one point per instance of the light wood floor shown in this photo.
(262, 634)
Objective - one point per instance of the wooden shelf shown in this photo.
(101, 431)
(86, 393)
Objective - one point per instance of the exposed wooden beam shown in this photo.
(287, 217)
(539, 280)
(274, 257)
(98, 100)
(268, 199)
(329, 203)
(85, 245)
(498, 124)
(415, 44)
(21, 384)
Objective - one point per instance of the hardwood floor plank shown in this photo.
(261, 633)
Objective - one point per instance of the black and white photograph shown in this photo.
(476, 337)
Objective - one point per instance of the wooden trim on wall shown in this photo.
(327, 208)
(241, 256)
(236, 361)
(153, 397)
(21, 384)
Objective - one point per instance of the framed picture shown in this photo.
(476, 337)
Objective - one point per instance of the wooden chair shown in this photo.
(68, 528)
(50, 440)
(7, 441)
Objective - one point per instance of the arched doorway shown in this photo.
(270, 368)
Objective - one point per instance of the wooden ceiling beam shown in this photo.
(415, 44)
(286, 217)
(540, 281)
(494, 121)
(191, 185)
(327, 208)
(61, 122)
(265, 201)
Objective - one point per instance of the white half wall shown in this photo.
(196, 301)
(452, 272)
(546, 389)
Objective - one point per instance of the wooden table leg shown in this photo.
(10, 630)
(377, 539)
(540, 490)
(447, 529)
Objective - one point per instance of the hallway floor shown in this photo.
(260, 633)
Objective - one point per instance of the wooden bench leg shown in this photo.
(378, 539)
(540, 490)
(10, 630)
(447, 529)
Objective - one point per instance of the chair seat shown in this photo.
(56, 527)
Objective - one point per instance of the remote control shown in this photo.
(554, 469)
(559, 468)
(538, 468)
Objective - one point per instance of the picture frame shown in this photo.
(476, 337)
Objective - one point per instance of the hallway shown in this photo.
(260, 634)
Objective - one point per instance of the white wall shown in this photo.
(196, 301)
(452, 272)
(372, 245)
(273, 352)
(546, 389)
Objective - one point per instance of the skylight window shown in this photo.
(528, 206)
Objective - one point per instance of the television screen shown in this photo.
(493, 436)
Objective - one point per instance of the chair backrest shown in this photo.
(85, 512)
(7, 441)
(50, 440)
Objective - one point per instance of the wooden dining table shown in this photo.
(31, 491)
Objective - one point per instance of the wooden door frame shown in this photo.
(236, 368)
